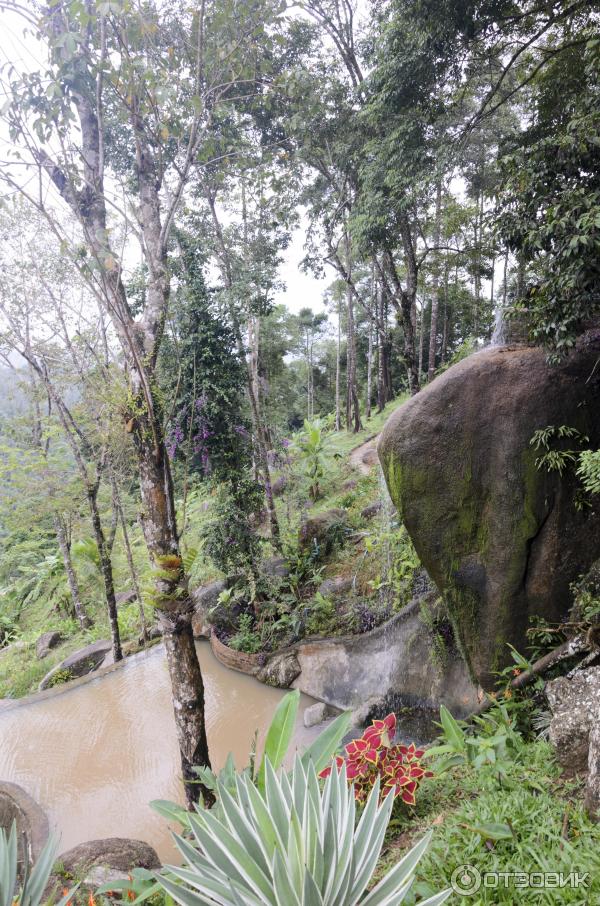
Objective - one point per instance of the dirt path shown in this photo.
(364, 457)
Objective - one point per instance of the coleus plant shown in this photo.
(376, 756)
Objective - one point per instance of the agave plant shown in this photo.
(27, 889)
(293, 845)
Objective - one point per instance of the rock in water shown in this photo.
(501, 538)
(102, 861)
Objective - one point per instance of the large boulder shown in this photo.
(46, 642)
(502, 539)
(80, 663)
(575, 708)
(32, 823)
(592, 789)
(102, 861)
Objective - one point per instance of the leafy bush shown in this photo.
(321, 616)
(292, 845)
(495, 746)
(374, 761)
(245, 639)
(228, 537)
(311, 447)
(60, 677)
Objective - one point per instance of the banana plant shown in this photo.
(294, 844)
(26, 888)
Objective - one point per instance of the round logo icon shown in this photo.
(466, 880)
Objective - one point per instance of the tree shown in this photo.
(115, 125)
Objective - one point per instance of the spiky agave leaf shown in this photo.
(291, 843)
(29, 891)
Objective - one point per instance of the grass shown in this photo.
(551, 832)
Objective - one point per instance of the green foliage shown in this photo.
(311, 447)
(297, 844)
(491, 749)
(60, 677)
(277, 742)
(550, 203)
(245, 638)
(523, 829)
(228, 538)
(321, 618)
(552, 459)
(399, 560)
(25, 885)
(588, 471)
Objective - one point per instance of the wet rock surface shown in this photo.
(502, 538)
(32, 823)
(280, 670)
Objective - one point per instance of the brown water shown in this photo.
(95, 755)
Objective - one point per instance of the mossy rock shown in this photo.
(502, 539)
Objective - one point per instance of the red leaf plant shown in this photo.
(375, 755)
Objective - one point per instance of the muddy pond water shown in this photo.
(96, 754)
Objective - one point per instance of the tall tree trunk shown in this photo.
(435, 284)
(174, 609)
(338, 413)
(106, 571)
(133, 575)
(353, 421)
(65, 549)
(140, 340)
(444, 352)
(258, 427)
(381, 350)
(421, 324)
(372, 305)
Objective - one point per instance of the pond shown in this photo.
(96, 754)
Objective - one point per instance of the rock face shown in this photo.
(317, 713)
(101, 861)
(82, 662)
(501, 538)
(46, 642)
(32, 823)
(394, 663)
(321, 529)
(575, 707)
(280, 670)
(592, 789)
(205, 598)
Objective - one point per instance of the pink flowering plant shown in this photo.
(375, 755)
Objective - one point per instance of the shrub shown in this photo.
(246, 639)
(374, 761)
(294, 844)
